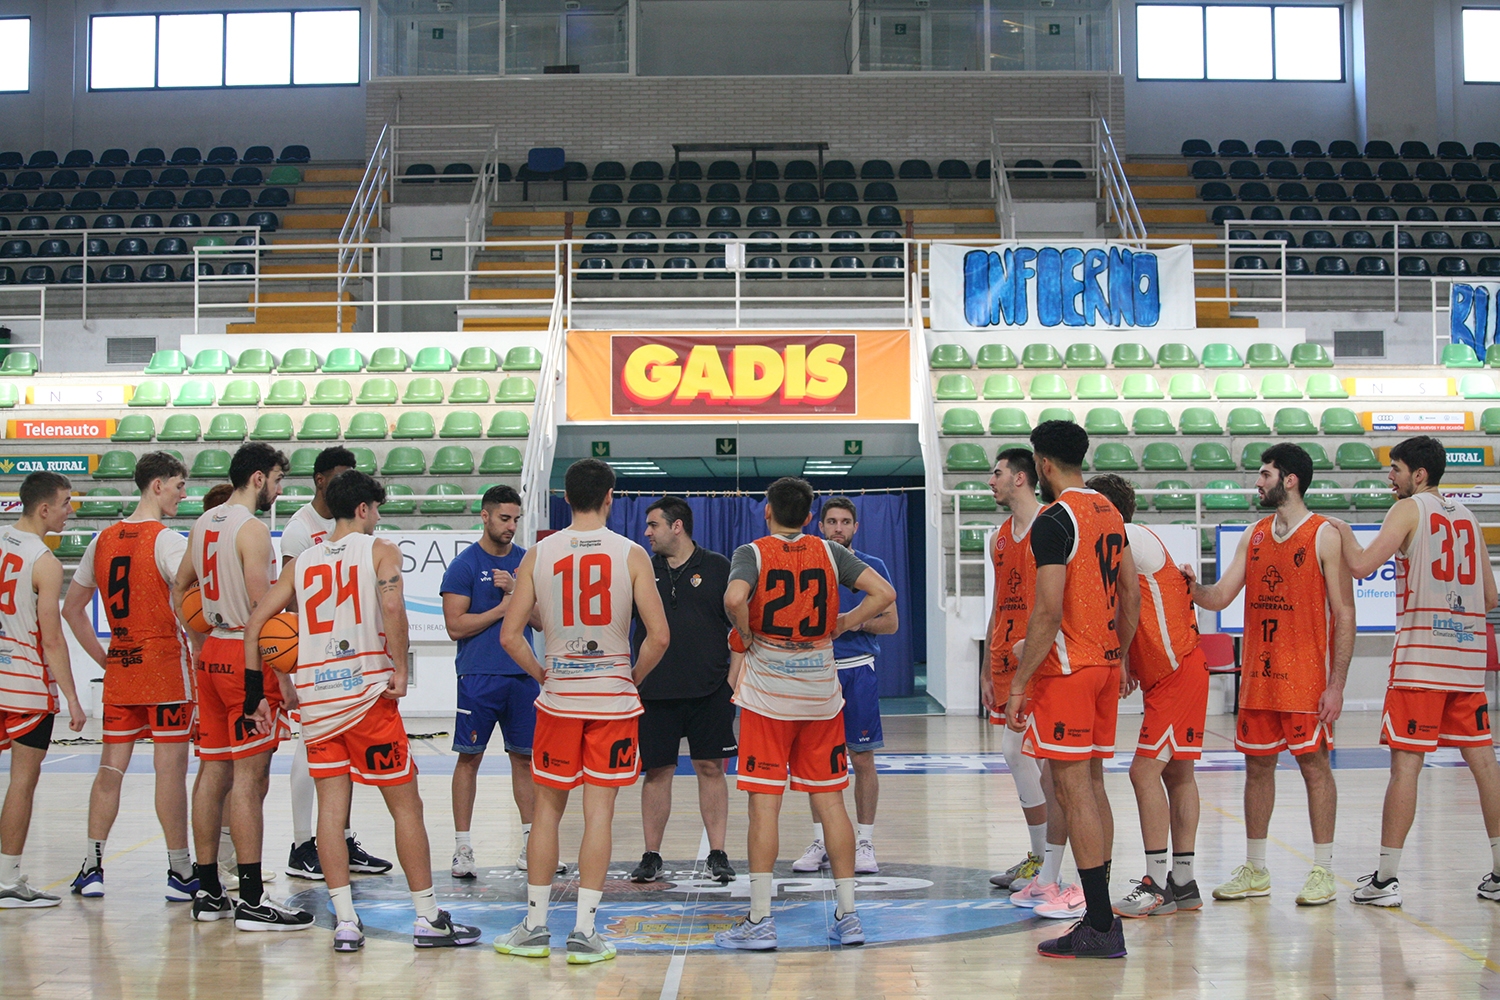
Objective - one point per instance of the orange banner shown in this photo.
(57, 427)
(755, 375)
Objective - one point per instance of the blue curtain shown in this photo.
(722, 524)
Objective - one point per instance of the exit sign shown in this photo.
(599, 449)
(726, 446)
(854, 447)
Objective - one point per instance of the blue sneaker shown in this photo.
(179, 889)
(89, 883)
(747, 936)
(847, 930)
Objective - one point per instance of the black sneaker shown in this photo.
(443, 932)
(1082, 941)
(207, 906)
(303, 861)
(363, 861)
(1187, 896)
(649, 868)
(719, 868)
(269, 916)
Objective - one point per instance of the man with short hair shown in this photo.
(148, 670)
(1294, 659)
(34, 666)
(1436, 697)
(854, 655)
(478, 589)
(688, 694)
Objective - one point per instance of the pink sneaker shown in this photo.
(1065, 905)
(1036, 893)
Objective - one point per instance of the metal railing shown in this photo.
(366, 211)
(541, 444)
(1098, 160)
(39, 317)
(408, 147)
(1119, 202)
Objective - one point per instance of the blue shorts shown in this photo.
(862, 730)
(487, 699)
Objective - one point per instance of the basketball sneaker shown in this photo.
(443, 932)
(847, 930)
(303, 861)
(89, 883)
(1377, 893)
(747, 936)
(229, 867)
(649, 868)
(719, 868)
(864, 859)
(814, 859)
(179, 889)
(1245, 882)
(521, 858)
(209, 907)
(1068, 905)
(1022, 871)
(586, 949)
(1036, 893)
(349, 935)
(1082, 941)
(1147, 899)
(1490, 887)
(463, 863)
(22, 896)
(526, 942)
(1186, 896)
(361, 860)
(270, 916)
(1318, 889)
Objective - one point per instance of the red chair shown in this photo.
(1222, 657)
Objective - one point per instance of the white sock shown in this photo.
(10, 869)
(525, 830)
(1323, 855)
(226, 848)
(760, 896)
(818, 832)
(94, 855)
(1052, 857)
(1255, 853)
(1182, 868)
(1157, 866)
(461, 839)
(1390, 861)
(181, 862)
(343, 903)
(588, 905)
(844, 891)
(425, 903)
(348, 833)
(1494, 855)
(304, 796)
(537, 899)
(865, 831)
(1038, 838)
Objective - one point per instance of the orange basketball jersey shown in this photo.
(1168, 630)
(790, 671)
(148, 662)
(1284, 661)
(1015, 583)
(1087, 637)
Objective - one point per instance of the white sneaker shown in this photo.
(1377, 893)
(463, 862)
(864, 859)
(521, 860)
(814, 859)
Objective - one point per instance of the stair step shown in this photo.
(333, 175)
(299, 268)
(313, 220)
(505, 323)
(290, 326)
(515, 294)
(266, 296)
(324, 196)
(532, 219)
(953, 216)
(1156, 170)
(515, 265)
(1164, 192)
(1197, 215)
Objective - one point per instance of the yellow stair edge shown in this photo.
(299, 269)
(1164, 192)
(1156, 170)
(515, 265)
(1174, 215)
(333, 175)
(293, 327)
(511, 293)
(305, 196)
(313, 220)
(320, 297)
(968, 216)
(532, 219)
(504, 324)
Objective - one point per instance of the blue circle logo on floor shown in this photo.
(684, 908)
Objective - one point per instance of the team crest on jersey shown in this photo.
(1300, 557)
(339, 648)
(1257, 538)
(1455, 601)
(696, 580)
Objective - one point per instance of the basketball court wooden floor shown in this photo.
(948, 818)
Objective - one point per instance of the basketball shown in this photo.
(278, 642)
(192, 611)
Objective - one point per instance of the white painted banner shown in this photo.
(44, 394)
(1374, 596)
(1365, 387)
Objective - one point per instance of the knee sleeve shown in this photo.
(1026, 771)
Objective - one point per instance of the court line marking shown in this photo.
(673, 981)
(113, 857)
(54, 760)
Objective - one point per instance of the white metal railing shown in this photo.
(477, 219)
(39, 317)
(365, 212)
(536, 464)
(420, 143)
(1118, 200)
(1097, 158)
(1005, 202)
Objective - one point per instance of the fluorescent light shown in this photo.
(1481, 44)
(1169, 42)
(15, 54)
(258, 49)
(122, 52)
(327, 47)
(192, 50)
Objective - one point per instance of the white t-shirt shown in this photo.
(303, 530)
(1150, 555)
(170, 546)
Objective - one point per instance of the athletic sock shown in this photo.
(1323, 855)
(1099, 913)
(818, 832)
(864, 831)
(1157, 866)
(588, 905)
(250, 888)
(1038, 839)
(181, 863)
(1109, 867)
(462, 838)
(525, 830)
(1182, 868)
(844, 891)
(304, 796)
(424, 901)
(1390, 862)
(1052, 859)
(1255, 853)
(348, 833)
(1495, 854)
(208, 878)
(342, 899)
(537, 899)
(10, 869)
(94, 855)
(760, 896)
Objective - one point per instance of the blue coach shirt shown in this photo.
(852, 645)
(471, 574)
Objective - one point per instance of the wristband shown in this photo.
(255, 690)
(736, 642)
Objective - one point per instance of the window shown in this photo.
(1240, 42)
(1481, 42)
(15, 54)
(261, 49)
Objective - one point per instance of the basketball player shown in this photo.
(582, 580)
(854, 655)
(311, 525)
(148, 671)
(1436, 696)
(1299, 637)
(351, 671)
(34, 666)
(1166, 663)
(1082, 620)
(783, 598)
(241, 719)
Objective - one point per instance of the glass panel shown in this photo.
(436, 42)
(956, 38)
(15, 53)
(531, 42)
(1239, 42)
(484, 43)
(1007, 39)
(1309, 43)
(326, 48)
(599, 43)
(192, 50)
(893, 41)
(1057, 41)
(1169, 43)
(1481, 45)
(122, 53)
(258, 49)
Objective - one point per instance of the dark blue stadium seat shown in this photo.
(1358, 239)
(609, 170)
(839, 170)
(1231, 148)
(132, 246)
(47, 201)
(637, 269)
(802, 191)
(1444, 194)
(157, 273)
(454, 173)
(1029, 170)
(684, 191)
(1307, 149)
(173, 177)
(912, 170)
(15, 249)
(33, 223)
(649, 194)
(123, 201)
(591, 265)
(1477, 239)
(151, 156)
(678, 269)
(1379, 149)
(238, 268)
(1421, 213)
(109, 222)
(762, 191)
(1318, 239)
(1487, 150)
(717, 238)
(762, 170)
(1282, 234)
(1373, 267)
(844, 215)
(759, 267)
(99, 179)
(1403, 240)
(295, 153)
(223, 219)
(1381, 213)
(1437, 239)
(1197, 147)
(73, 274)
(197, 198)
(1489, 267)
(1297, 265)
(643, 217)
(845, 241)
(1431, 171)
(114, 157)
(1492, 214)
(1282, 170)
(1467, 172)
(603, 218)
(1255, 191)
(840, 191)
(763, 241)
(876, 170)
(1226, 213)
(1269, 149)
(1207, 170)
(38, 274)
(885, 247)
(883, 215)
(953, 170)
(682, 242)
(419, 173)
(1250, 263)
(234, 198)
(763, 216)
(1454, 267)
(1451, 150)
(1343, 213)
(1407, 193)
(1392, 170)
(12, 202)
(723, 191)
(1331, 266)
(274, 197)
(247, 177)
(1292, 191)
(1369, 191)
(85, 201)
(806, 267)
(723, 215)
(647, 170)
(847, 267)
(222, 156)
(600, 242)
(723, 170)
(42, 159)
(1331, 191)
(806, 241)
(174, 245)
(62, 180)
(54, 248)
(161, 201)
(1414, 267)
(803, 215)
(642, 242)
(1415, 150)
(1245, 170)
(1356, 170)
(209, 177)
(684, 216)
(118, 274)
(686, 170)
(1482, 194)
(1319, 170)
(136, 177)
(186, 156)
(1216, 191)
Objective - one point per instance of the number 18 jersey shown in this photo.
(342, 663)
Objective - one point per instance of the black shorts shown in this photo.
(40, 736)
(707, 722)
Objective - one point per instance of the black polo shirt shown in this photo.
(697, 659)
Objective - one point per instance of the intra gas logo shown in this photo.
(706, 373)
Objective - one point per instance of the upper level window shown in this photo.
(15, 54)
(1239, 42)
(1481, 45)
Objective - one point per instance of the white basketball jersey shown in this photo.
(26, 686)
(1440, 637)
(342, 663)
(584, 596)
(303, 530)
(221, 578)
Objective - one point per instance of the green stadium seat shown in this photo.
(971, 536)
(1152, 420)
(367, 426)
(414, 424)
(319, 427)
(478, 504)
(1176, 356)
(1293, 420)
(294, 496)
(950, 356)
(10, 396)
(211, 463)
(303, 462)
(462, 424)
(272, 427)
(1233, 385)
(394, 506)
(1279, 385)
(167, 363)
(1341, 420)
(1104, 420)
(1325, 501)
(180, 427)
(134, 427)
(1188, 385)
(996, 356)
(1225, 501)
(433, 359)
(1491, 358)
(1460, 356)
(100, 508)
(469, 389)
(1095, 385)
(211, 361)
(299, 361)
(1003, 386)
(1162, 456)
(500, 460)
(72, 544)
(1356, 456)
(1320, 460)
(961, 420)
(364, 459)
(287, 392)
(332, 392)
(21, 363)
(1085, 356)
(344, 361)
(1141, 386)
(1265, 356)
(516, 389)
(1211, 456)
(1131, 356)
(975, 501)
(1173, 501)
(1048, 385)
(1199, 420)
(1056, 413)
(1477, 387)
(443, 506)
(523, 359)
(404, 461)
(377, 392)
(436, 525)
(116, 465)
(284, 175)
(1250, 456)
(452, 460)
(240, 392)
(388, 359)
(195, 393)
(254, 361)
(1310, 356)
(1040, 356)
(966, 456)
(511, 424)
(1247, 420)
(423, 391)
(1222, 356)
(1381, 497)
(226, 427)
(151, 393)
(1489, 420)
(1112, 456)
(955, 386)
(192, 506)
(478, 359)
(1009, 421)
(1325, 385)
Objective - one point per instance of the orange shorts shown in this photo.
(567, 752)
(1421, 721)
(812, 750)
(1176, 710)
(1264, 732)
(1001, 685)
(223, 731)
(15, 726)
(373, 751)
(1073, 716)
(162, 723)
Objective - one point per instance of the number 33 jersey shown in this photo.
(1440, 640)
